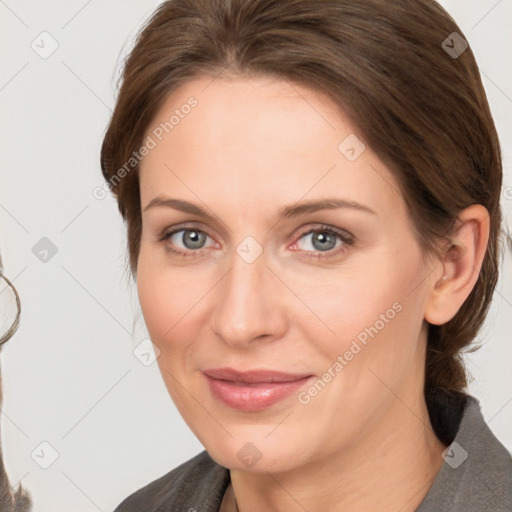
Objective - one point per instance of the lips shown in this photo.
(252, 390)
(253, 376)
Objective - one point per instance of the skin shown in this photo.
(250, 148)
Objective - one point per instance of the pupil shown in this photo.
(323, 237)
(195, 239)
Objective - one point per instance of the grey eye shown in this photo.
(190, 238)
(321, 240)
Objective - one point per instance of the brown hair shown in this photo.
(421, 108)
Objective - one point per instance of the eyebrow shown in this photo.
(290, 211)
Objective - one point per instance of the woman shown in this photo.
(311, 191)
(20, 500)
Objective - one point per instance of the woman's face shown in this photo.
(261, 281)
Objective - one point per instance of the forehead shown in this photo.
(260, 138)
(251, 111)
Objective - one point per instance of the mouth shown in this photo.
(252, 390)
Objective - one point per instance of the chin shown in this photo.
(258, 455)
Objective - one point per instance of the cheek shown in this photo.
(374, 310)
(165, 296)
(173, 300)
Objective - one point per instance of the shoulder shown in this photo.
(489, 472)
(477, 472)
(197, 484)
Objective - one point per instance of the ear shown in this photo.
(461, 261)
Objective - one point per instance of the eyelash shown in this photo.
(347, 240)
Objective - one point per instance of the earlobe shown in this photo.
(461, 261)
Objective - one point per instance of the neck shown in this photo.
(391, 469)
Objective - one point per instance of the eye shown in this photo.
(325, 239)
(185, 241)
(321, 242)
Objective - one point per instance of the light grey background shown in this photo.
(70, 377)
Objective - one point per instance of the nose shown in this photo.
(250, 304)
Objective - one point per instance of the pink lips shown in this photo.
(252, 390)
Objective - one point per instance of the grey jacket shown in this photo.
(475, 477)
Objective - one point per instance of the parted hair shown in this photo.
(387, 63)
